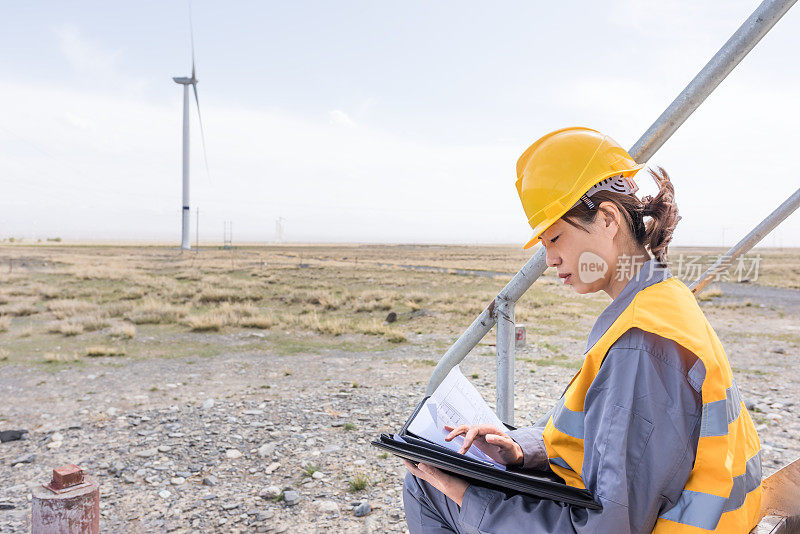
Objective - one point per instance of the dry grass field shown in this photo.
(61, 303)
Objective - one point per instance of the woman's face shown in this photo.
(585, 259)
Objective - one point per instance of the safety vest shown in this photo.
(723, 492)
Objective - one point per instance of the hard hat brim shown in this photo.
(544, 225)
(532, 242)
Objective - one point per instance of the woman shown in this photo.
(652, 424)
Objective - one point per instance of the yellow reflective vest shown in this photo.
(723, 491)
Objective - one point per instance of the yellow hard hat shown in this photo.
(561, 167)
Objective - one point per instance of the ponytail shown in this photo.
(663, 213)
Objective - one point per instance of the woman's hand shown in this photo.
(495, 443)
(453, 487)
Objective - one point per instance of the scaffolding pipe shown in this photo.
(758, 233)
(710, 76)
(504, 312)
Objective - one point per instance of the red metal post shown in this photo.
(68, 504)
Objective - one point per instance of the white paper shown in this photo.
(455, 402)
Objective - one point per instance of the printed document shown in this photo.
(455, 402)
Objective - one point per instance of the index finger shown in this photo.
(468, 439)
(455, 432)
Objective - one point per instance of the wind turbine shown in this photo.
(186, 82)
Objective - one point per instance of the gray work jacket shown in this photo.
(641, 428)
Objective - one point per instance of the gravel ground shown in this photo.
(206, 444)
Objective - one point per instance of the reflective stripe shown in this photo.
(561, 463)
(703, 510)
(567, 421)
(719, 414)
(744, 484)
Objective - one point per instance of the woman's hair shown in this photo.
(657, 233)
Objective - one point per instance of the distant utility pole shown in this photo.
(228, 235)
(279, 229)
(197, 232)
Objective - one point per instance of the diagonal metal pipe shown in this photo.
(765, 16)
(758, 233)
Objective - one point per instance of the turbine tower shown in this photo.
(186, 82)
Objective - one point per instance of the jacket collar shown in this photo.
(650, 273)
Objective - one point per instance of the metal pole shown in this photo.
(185, 244)
(504, 314)
(749, 241)
(197, 231)
(731, 54)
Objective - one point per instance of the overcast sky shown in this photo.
(375, 121)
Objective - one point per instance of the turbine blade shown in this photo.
(191, 40)
(202, 132)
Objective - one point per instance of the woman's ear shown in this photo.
(610, 218)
